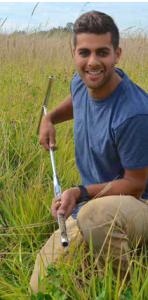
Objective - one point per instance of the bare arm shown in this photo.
(133, 183)
(61, 113)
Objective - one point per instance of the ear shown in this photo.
(117, 54)
(73, 52)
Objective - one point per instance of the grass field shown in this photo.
(26, 188)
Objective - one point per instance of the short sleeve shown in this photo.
(77, 90)
(72, 84)
(131, 139)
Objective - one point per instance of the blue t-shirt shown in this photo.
(110, 134)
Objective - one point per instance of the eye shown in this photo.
(84, 53)
(102, 53)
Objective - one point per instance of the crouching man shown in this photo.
(110, 115)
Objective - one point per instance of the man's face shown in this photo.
(95, 59)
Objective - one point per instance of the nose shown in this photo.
(93, 60)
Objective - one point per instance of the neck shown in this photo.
(106, 89)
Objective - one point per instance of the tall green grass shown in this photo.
(26, 188)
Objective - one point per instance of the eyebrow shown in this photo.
(98, 49)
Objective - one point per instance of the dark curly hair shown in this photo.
(96, 22)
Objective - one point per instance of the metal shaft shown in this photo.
(57, 192)
(50, 82)
(57, 189)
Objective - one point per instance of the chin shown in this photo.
(93, 86)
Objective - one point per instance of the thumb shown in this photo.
(52, 142)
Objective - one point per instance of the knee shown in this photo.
(98, 211)
(97, 217)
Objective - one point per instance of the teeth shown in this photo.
(94, 73)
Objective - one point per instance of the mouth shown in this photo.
(94, 74)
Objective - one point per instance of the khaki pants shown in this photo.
(118, 223)
(51, 251)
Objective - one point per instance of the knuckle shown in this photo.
(40, 141)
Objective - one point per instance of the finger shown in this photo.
(63, 207)
(44, 143)
(56, 203)
(52, 141)
(69, 211)
(53, 147)
(56, 199)
(66, 209)
(54, 209)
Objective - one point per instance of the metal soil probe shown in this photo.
(57, 190)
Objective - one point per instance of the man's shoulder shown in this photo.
(77, 85)
(137, 98)
(132, 101)
(132, 94)
(76, 80)
(129, 84)
(132, 90)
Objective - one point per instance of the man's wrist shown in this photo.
(84, 196)
(48, 118)
(76, 191)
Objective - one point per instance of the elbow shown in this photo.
(135, 188)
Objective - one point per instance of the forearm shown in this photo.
(132, 184)
(118, 187)
(62, 112)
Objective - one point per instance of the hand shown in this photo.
(65, 203)
(47, 134)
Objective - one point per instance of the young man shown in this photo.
(110, 135)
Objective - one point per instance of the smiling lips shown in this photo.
(94, 74)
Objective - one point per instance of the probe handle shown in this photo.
(62, 228)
